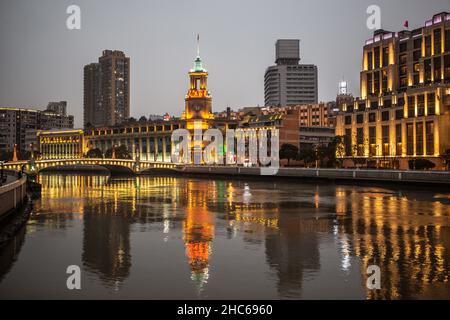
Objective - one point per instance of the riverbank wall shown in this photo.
(392, 176)
(12, 196)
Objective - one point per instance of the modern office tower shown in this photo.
(288, 82)
(404, 110)
(18, 124)
(107, 89)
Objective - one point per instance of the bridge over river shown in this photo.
(124, 165)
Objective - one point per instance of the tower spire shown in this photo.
(198, 67)
(198, 45)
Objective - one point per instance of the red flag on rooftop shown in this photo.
(406, 24)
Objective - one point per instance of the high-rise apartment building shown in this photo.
(92, 114)
(404, 109)
(288, 82)
(107, 89)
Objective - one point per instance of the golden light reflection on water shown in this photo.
(407, 237)
(406, 233)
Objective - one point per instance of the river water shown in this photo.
(193, 238)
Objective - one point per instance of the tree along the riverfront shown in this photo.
(288, 152)
(94, 153)
(121, 152)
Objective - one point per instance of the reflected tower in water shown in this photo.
(198, 233)
(293, 250)
(106, 235)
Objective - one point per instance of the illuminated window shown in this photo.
(372, 141)
(369, 59)
(427, 70)
(409, 139)
(431, 104)
(437, 69)
(359, 118)
(419, 138)
(348, 142)
(447, 67)
(398, 139)
(429, 135)
(360, 141)
(420, 105)
(437, 41)
(427, 46)
(377, 57)
(385, 56)
(398, 114)
(411, 106)
(348, 119)
(385, 140)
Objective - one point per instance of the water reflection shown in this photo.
(404, 233)
(10, 252)
(295, 226)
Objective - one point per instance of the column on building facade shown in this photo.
(163, 140)
(155, 154)
(140, 148)
(148, 148)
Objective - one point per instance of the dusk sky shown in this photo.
(42, 61)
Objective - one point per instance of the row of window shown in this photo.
(136, 129)
(424, 141)
(141, 144)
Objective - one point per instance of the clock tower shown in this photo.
(198, 98)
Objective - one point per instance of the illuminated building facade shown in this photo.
(404, 109)
(151, 140)
(319, 114)
(298, 125)
(61, 144)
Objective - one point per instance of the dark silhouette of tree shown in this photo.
(420, 164)
(308, 156)
(289, 152)
(328, 154)
(94, 153)
(120, 151)
(446, 159)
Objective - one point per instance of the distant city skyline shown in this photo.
(43, 61)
